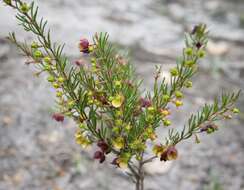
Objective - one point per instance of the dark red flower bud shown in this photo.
(84, 45)
(145, 103)
(103, 146)
(79, 63)
(163, 156)
(198, 45)
(99, 155)
(58, 117)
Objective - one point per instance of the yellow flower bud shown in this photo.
(118, 122)
(188, 84)
(174, 72)
(201, 53)
(118, 143)
(189, 51)
(167, 122)
(56, 85)
(60, 79)
(59, 94)
(178, 103)
(50, 79)
(47, 60)
(236, 110)
(165, 112)
(178, 94)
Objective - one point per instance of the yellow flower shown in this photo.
(158, 149)
(153, 136)
(122, 163)
(165, 112)
(117, 101)
(178, 103)
(81, 139)
(60, 79)
(119, 143)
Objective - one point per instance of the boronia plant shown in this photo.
(105, 100)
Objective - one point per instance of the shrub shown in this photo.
(105, 100)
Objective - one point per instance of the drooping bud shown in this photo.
(58, 117)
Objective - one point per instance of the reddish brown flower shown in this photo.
(145, 103)
(99, 155)
(103, 146)
(58, 117)
(170, 153)
(79, 63)
(84, 45)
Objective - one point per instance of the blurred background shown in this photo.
(38, 154)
